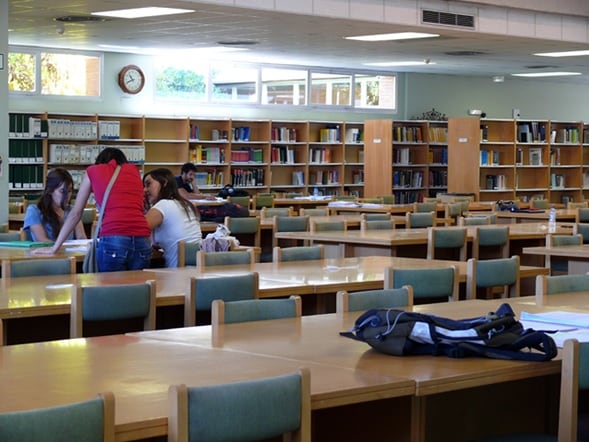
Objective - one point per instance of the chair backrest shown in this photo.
(553, 285)
(446, 238)
(263, 200)
(491, 273)
(477, 220)
(427, 283)
(288, 224)
(328, 226)
(583, 230)
(576, 205)
(558, 264)
(419, 219)
(254, 310)
(187, 253)
(203, 290)
(377, 225)
(538, 203)
(424, 207)
(10, 236)
(293, 194)
(88, 219)
(490, 237)
(369, 299)
(4, 227)
(38, 267)
(241, 200)
(208, 259)
(375, 217)
(269, 212)
(252, 410)
(453, 211)
(90, 421)
(582, 215)
(374, 200)
(112, 302)
(321, 211)
(298, 253)
(387, 199)
(244, 226)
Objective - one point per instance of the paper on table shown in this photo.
(581, 335)
(558, 317)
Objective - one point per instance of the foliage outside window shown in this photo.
(331, 89)
(71, 74)
(284, 86)
(182, 82)
(231, 82)
(374, 91)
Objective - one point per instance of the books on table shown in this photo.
(566, 325)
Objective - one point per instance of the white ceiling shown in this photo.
(286, 38)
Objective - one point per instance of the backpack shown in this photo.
(496, 335)
(217, 214)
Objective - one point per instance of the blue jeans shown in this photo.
(116, 253)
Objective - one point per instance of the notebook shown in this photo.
(25, 244)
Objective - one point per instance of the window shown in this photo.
(235, 83)
(57, 73)
(374, 91)
(284, 86)
(331, 89)
(184, 81)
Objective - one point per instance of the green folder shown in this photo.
(26, 244)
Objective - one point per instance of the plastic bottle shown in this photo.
(315, 192)
(552, 220)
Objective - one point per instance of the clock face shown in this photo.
(131, 79)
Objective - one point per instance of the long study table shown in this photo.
(576, 255)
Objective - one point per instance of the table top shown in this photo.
(561, 214)
(571, 251)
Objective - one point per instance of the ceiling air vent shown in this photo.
(447, 19)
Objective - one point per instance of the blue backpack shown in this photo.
(496, 335)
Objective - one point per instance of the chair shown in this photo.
(387, 199)
(323, 211)
(293, 195)
(256, 409)
(4, 228)
(303, 253)
(288, 224)
(473, 220)
(576, 205)
(582, 215)
(328, 226)
(375, 216)
(491, 238)
(38, 267)
(241, 200)
(539, 203)
(249, 226)
(112, 303)
(555, 264)
(90, 421)
(376, 200)
(446, 238)
(202, 290)
(424, 207)
(88, 219)
(583, 230)
(432, 200)
(208, 259)
(10, 236)
(270, 212)
(452, 211)
(491, 273)
(414, 220)
(427, 283)
(263, 200)
(187, 253)
(345, 198)
(552, 285)
(377, 225)
(369, 299)
(254, 310)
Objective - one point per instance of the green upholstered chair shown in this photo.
(187, 253)
(424, 207)
(237, 257)
(88, 220)
(582, 215)
(576, 205)
(245, 227)
(241, 200)
(10, 236)
(452, 211)
(345, 198)
(293, 195)
(328, 226)
(369, 299)
(4, 228)
(377, 225)
(558, 265)
(203, 290)
(254, 310)
(539, 204)
(375, 200)
(387, 199)
(427, 283)
(493, 241)
(583, 230)
(414, 220)
(375, 216)
(263, 200)
(321, 211)
(476, 220)
(38, 267)
(553, 285)
(288, 224)
(492, 273)
(89, 421)
(112, 303)
(257, 409)
(269, 212)
(301, 253)
(447, 238)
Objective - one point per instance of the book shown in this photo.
(572, 319)
(25, 244)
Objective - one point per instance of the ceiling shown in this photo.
(282, 38)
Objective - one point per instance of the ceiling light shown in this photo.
(564, 54)
(400, 63)
(498, 79)
(142, 12)
(395, 36)
(546, 74)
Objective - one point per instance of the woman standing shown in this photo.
(171, 217)
(44, 220)
(124, 242)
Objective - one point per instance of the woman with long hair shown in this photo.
(171, 217)
(44, 220)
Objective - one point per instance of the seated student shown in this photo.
(44, 220)
(171, 217)
(184, 182)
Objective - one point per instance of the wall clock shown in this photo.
(131, 79)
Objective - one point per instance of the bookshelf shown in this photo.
(288, 156)
(208, 150)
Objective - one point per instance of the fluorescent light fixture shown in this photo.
(400, 63)
(564, 54)
(390, 37)
(151, 11)
(546, 74)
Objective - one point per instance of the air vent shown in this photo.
(447, 19)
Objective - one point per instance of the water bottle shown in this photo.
(552, 220)
(315, 192)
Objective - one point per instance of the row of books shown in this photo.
(354, 135)
(247, 177)
(557, 181)
(298, 178)
(438, 134)
(241, 133)
(438, 178)
(490, 157)
(566, 135)
(324, 177)
(72, 129)
(438, 156)
(247, 155)
(319, 155)
(26, 126)
(25, 151)
(407, 178)
(23, 176)
(407, 196)
(109, 129)
(496, 182)
(408, 134)
(403, 155)
(87, 153)
(358, 176)
(284, 134)
(210, 177)
(204, 155)
(531, 132)
(330, 134)
(282, 155)
(216, 134)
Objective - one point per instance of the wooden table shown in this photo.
(569, 215)
(577, 255)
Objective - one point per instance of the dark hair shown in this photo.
(188, 167)
(169, 189)
(55, 178)
(111, 153)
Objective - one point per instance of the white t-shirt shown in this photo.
(176, 226)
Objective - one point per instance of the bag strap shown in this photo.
(104, 201)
